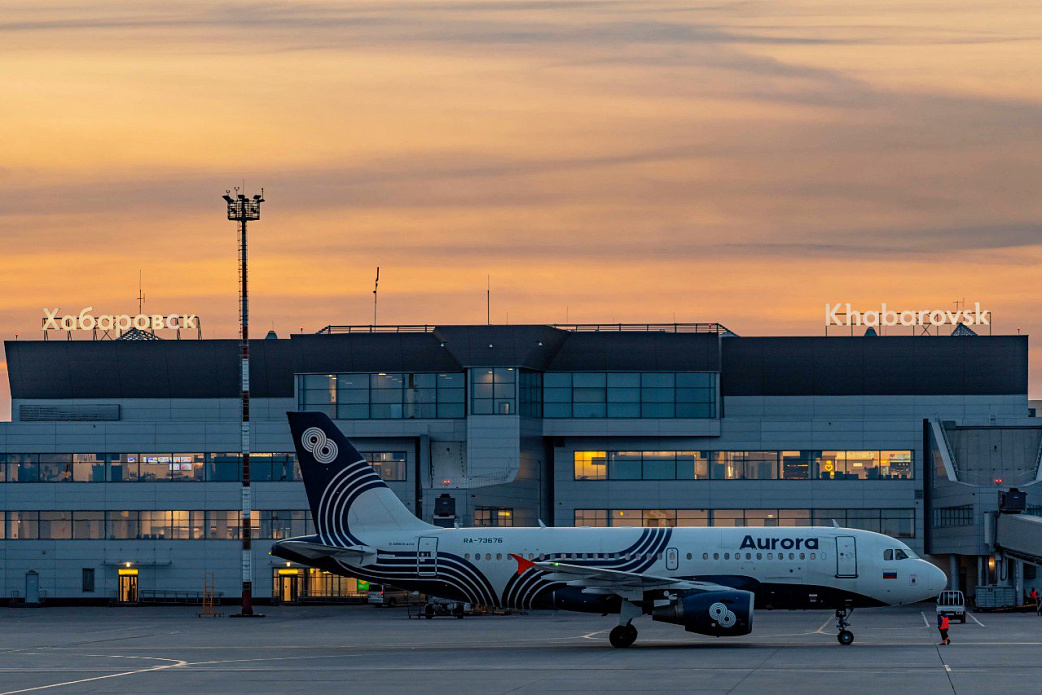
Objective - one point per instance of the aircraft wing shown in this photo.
(359, 554)
(598, 580)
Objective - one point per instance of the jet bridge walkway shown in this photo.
(1020, 535)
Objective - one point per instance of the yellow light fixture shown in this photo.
(127, 564)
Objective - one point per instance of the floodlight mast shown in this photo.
(242, 210)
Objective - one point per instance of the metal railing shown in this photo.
(174, 596)
(409, 328)
(713, 328)
(716, 328)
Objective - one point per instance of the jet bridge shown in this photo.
(1020, 536)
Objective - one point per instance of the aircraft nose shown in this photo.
(936, 579)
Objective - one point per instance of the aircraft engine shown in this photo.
(714, 613)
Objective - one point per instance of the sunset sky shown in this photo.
(740, 162)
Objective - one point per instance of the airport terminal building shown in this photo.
(119, 473)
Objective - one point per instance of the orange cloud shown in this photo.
(601, 161)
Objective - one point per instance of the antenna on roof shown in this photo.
(488, 300)
(376, 285)
(140, 294)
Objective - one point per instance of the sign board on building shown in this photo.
(845, 315)
(85, 320)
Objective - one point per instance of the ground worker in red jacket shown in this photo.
(942, 625)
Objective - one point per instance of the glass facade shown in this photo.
(947, 517)
(176, 467)
(493, 391)
(743, 465)
(151, 524)
(530, 393)
(389, 464)
(629, 394)
(510, 391)
(493, 516)
(383, 396)
(898, 523)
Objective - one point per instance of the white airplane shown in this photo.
(706, 579)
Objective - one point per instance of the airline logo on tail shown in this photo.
(318, 445)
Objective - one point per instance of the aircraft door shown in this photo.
(846, 557)
(427, 556)
(672, 558)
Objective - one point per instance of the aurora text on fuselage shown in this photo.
(779, 543)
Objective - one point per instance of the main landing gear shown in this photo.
(622, 636)
(845, 636)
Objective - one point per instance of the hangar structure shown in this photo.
(119, 473)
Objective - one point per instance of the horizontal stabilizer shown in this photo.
(356, 554)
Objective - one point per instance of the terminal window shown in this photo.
(629, 394)
(391, 465)
(88, 580)
(493, 516)
(493, 391)
(743, 465)
(163, 524)
(383, 395)
(176, 467)
(898, 523)
(947, 517)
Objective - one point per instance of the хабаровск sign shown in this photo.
(844, 315)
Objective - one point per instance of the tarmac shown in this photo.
(363, 649)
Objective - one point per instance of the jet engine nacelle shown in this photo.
(715, 613)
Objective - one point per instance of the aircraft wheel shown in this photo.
(622, 636)
(845, 637)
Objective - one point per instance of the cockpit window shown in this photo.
(888, 554)
(898, 554)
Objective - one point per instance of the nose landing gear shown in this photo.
(845, 636)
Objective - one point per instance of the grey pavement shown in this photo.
(368, 650)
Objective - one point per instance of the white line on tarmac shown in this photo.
(974, 619)
(925, 621)
(824, 625)
(161, 667)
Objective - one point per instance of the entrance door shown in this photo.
(287, 586)
(128, 586)
(846, 557)
(427, 557)
(672, 558)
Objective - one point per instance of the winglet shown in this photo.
(522, 563)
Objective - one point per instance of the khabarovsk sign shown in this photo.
(884, 317)
(85, 320)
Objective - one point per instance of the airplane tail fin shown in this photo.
(346, 495)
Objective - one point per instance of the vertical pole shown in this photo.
(244, 346)
(376, 286)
